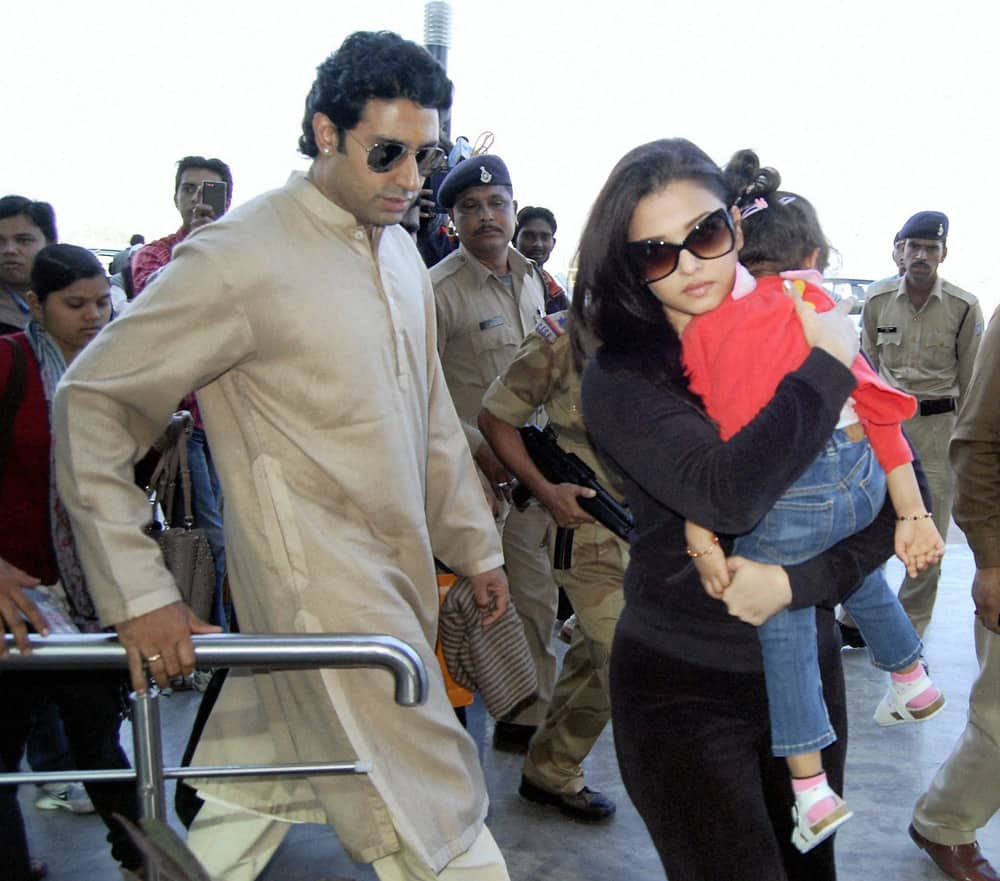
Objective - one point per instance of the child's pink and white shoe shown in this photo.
(817, 814)
(916, 700)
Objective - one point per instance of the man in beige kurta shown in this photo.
(305, 320)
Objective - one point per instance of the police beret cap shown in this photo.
(931, 225)
(476, 171)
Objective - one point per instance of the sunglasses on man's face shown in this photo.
(714, 236)
(384, 156)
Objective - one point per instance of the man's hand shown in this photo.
(491, 593)
(561, 500)
(428, 204)
(756, 591)
(161, 640)
(986, 596)
(498, 476)
(201, 214)
(14, 602)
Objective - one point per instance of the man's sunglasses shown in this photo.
(653, 259)
(386, 155)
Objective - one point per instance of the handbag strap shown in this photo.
(11, 402)
(163, 480)
(161, 483)
(185, 479)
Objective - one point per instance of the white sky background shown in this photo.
(873, 110)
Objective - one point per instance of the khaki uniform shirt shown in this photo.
(313, 350)
(481, 323)
(975, 454)
(928, 352)
(543, 374)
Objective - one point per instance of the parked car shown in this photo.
(840, 288)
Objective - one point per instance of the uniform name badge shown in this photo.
(495, 321)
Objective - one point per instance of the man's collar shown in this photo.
(934, 292)
(518, 264)
(16, 298)
(329, 212)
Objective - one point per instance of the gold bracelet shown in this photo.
(695, 554)
(915, 517)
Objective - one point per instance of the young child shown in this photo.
(735, 356)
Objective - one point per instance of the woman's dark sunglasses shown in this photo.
(384, 156)
(653, 259)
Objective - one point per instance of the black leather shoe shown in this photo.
(851, 637)
(586, 805)
(512, 737)
(963, 862)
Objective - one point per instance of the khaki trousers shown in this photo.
(581, 705)
(965, 792)
(931, 436)
(236, 845)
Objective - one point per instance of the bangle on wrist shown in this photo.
(915, 517)
(693, 554)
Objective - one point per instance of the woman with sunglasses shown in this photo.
(689, 702)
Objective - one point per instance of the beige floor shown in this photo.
(887, 770)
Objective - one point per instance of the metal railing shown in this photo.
(267, 652)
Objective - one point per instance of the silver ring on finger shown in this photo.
(152, 659)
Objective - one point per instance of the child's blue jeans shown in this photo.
(837, 495)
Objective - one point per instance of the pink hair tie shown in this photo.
(758, 204)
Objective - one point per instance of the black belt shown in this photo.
(938, 405)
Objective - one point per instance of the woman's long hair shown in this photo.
(612, 305)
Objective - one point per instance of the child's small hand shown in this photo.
(714, 572)
(918, 544)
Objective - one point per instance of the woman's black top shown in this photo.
(676, 467)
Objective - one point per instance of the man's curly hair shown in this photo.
(368, 65)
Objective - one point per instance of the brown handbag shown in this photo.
(186, 550)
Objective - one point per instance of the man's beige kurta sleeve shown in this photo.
(463, 534)
(112, 403)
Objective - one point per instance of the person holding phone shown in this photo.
(203, 190)
(193, 172)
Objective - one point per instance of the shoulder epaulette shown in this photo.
(882, 286)
(447, 267)
(551, 327)
(948, 288)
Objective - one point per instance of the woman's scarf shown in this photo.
(52, 365)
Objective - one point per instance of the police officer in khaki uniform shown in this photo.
(488, 298)
(543, 374)
(922, 333)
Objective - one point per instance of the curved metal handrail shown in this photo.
(266, 651)
(272, 651)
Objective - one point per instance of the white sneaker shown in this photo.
(567, 628)
(806, 835)
(68, 796)
(893, 709)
